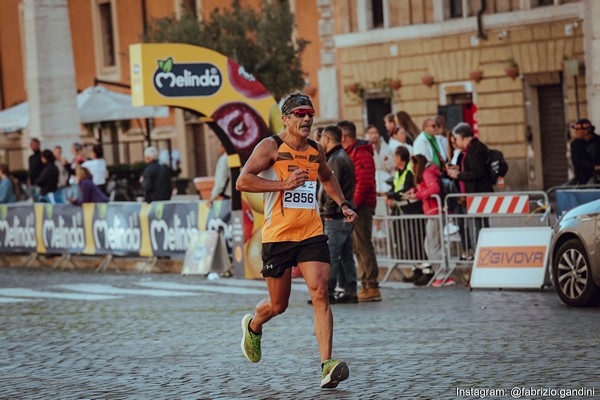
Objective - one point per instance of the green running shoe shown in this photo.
(333, 373)
(250, 341)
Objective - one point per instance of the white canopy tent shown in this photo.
(95, 104)
(14, 118)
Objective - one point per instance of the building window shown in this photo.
(542, 3)
(108, 36)
(456, 9)
(188, 7)
(106, 39)
(376, 110)
(377, 13)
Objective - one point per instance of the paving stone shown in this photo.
(416, 343)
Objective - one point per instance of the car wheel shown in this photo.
(572, 275)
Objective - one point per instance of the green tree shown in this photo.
(262, 41)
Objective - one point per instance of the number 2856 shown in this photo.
(295, 197)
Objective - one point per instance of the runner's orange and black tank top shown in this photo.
(292, 215)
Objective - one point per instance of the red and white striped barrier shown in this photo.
(498, 204)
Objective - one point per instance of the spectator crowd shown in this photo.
(405, 170)
(412, 170)
(52, 178)
(401, 171)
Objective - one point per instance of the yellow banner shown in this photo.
(199, 79)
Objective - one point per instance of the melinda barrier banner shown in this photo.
(128, 229)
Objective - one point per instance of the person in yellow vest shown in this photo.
(407, 236)
(403, 180)
(285, 168)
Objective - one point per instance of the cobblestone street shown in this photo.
(74, 335)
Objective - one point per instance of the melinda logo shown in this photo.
(511, 257)
(186, 80)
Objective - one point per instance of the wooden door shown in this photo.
(553, 136)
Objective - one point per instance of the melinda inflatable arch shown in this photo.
(237, 107)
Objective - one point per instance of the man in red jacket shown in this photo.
(365, 198)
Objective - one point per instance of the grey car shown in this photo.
(575, 257)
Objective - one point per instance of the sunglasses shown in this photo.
(303, 112)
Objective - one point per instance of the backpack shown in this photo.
(498, 166)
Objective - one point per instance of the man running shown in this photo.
(285, 168)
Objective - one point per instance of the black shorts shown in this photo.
(278, 256)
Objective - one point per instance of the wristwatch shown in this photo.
(345, 203)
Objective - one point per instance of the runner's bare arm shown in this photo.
(262, 158)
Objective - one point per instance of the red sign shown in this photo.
(475, 120)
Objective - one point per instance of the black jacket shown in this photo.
(157, 182)
(585, 154)
(343, 169)
(35, 167)
(476, 172)
(48, 179)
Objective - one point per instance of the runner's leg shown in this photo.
(279, 295)
(316, 275)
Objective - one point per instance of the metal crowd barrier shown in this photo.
(467, 213)
(402, 241)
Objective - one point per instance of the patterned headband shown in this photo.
(293, 101)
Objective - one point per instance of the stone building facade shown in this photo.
(440, 56)
(449, 61)
(100, 34)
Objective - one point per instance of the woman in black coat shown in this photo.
(48, 179)
(473, 174)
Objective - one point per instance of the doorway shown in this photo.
(377, 109)
(458, 107)
(553, 137)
